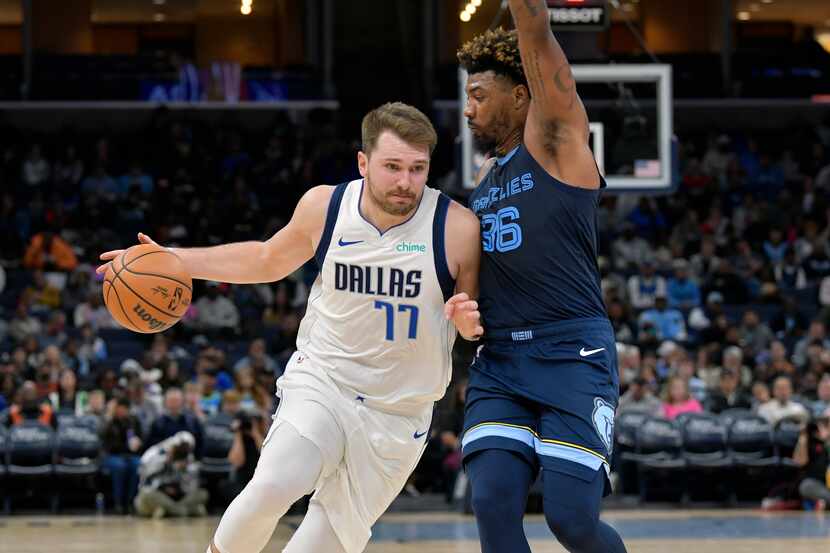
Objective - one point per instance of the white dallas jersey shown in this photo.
(375, 319)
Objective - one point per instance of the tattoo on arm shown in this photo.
(564, 81)
(534, 76)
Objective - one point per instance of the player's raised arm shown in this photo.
(557, 124)
(257, 261)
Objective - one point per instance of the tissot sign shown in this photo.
(578, 15)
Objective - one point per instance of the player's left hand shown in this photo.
(464, 314)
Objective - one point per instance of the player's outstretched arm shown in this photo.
(463, 245)
(557, 124)
(255, 261)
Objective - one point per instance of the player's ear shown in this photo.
(521, 96)
(362, 163)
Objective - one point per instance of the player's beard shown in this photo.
(487, 139)
(385, 202)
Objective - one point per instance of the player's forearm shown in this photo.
(531, 17)
(237, 263)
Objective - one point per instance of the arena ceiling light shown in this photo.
(471, 8)
(247, 7)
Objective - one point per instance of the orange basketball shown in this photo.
(147, 288)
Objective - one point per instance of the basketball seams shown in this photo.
(159, 276)
(126, 267)
(121, 305)
(142, 298)
(116, 276)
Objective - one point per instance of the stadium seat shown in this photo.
(750, 443)
(706, 454)
(704, 441)
(91, 422)
(77, 458)
(731, 415)
(29, 457)
(658, 453)
(625, 437)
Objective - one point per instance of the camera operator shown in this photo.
(170, 480)
(249, 433)
(812, 453)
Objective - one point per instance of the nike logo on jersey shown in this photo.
(418, 436)
(586, 352)
(344, 243)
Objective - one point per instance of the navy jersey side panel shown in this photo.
(539, 247)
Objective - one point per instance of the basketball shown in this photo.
(147, 289)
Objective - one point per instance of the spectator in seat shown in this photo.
(639, 398)
(677, 399)
(41, 295)
(668, 322)
(193, 400)
(253, 397)
(683, 292)
(36, 170)
(257, 353)
(643, 288)
(210, 397)
(816, 334)
(755, 336)
(30, 407)
(702, 318)
(68, 397)
(630, 250)
(789, 274)
(728, 395)
(217, 314)
(822, 404)
(121, 441)
(93, 312)
(174, 420)
(49, 252)
(790, 322)
(812, 453)
(817, 264)
(781, 406)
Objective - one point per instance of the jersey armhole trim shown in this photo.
(439, 251)
(331, 220)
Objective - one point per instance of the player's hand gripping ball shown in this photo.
(147, 288)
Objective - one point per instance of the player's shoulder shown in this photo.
(461, 221)
(313, 205)
(485, 168)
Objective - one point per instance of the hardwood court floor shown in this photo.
(673, 531)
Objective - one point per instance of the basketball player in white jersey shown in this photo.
(374, 348)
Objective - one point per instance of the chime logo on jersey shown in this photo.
(410, 247)
(377, 281)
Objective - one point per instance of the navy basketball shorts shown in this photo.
(549, 394)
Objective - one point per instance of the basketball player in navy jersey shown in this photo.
(543, 389)
(373, 349)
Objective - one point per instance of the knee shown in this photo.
(495, 500)
(274, 491)
(573, 530)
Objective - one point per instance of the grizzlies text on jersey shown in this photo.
(539, 241)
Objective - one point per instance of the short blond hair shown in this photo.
(407, 122)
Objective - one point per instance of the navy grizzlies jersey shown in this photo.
(539, 246)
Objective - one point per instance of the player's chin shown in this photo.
(400, 205)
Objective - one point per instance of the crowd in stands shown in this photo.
(719, 293)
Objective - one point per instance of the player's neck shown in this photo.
(380, 219)
(510, 142)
